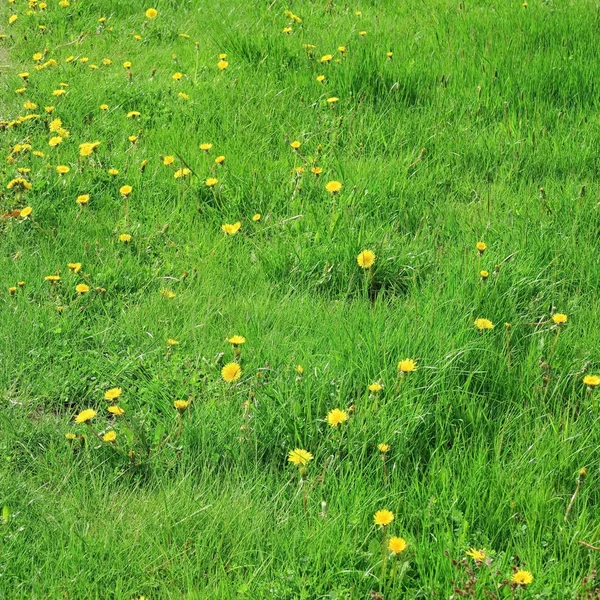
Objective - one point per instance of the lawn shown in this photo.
(269, 269)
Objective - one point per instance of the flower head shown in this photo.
(375, 388)
(125, 190)
(383, 448)
(591, 380)
(483, 324)
(397, 545)
(522, 577)
(211, 182)
(231, 229)
(83, 199)
(366, 259)
(477, 555)
(231, 372)
(408, 365)
(113, 393)
(333, 187)
(181, 405)
(151, 13)
(299, 457)
(236, 340)
(383, 517)
(116, 410)
(82, 288)
(85, 415)
(481, 247)
(559, 318)
(110, 436)
(336, 416)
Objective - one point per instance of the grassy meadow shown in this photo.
(395, 204)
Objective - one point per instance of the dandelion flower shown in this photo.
(211, 182)
(482, 324)
(125, 238)
(383, 517)
(219, 160)
(113, 393)
(74, 267)
(320, 78)
(383, 448)
(52, 278)
(332, 100)
(110, 436)
(206, 146)
(366, 259)
(116, 410)
(172, 342)
(397, 545)
(299, 369)
(408, 365)
(484, 274)
(295, 144)
(299, 457)
(326, 58)
(475, 554)
(25, 212)
(151, 13)
(591, 380)
(70, 436)
(559, 318)
(236, 340)
(177, 76)
(231, 372)
(168, 160)
(222, 64)
(168, 293)
(82, 288)
(481, 247)
(125, 190)
(104, 107)
(181, 173)
(83, 199)
(375, 388)
(256, 217)
(231, 229)
(85, 415)
(181, 405)
(113, 172)
(336, 416)
(522, 577)
(62, 169)
(333, 187)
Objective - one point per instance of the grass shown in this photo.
(443, 145)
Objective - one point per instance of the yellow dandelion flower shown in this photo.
(295, 144)
(206, 146)
(231, 372)
(320, 78)
(62, 169)
(88, 148)
(408, 365)
(299, 369)
(125, 190)
(366, 259)
(477, 555)
(383, 517)
(82, 288)
(522, 577)
(483, 324)
(222, 64)
(236, 340)
(256, 217)
(336, 416)
(74, 267)
(168, 160)
(110, 436)
(104, 107)
(332, 100)
(113, 393)
(177, 76)
(333, 187)
(481, 247)
(375, 388)
(299, 457)
(70, 436)
(181, 173)
(396, 545)
(151, 13)
(52, 278)
(25, 212)
(326, 58)
(591, 380)
(181, 405)
(125, 238)
(211, 182)
(559, 318)
(83, 199)
(85, 415)
(113, 409)
(172, 342)
(219, 160)
(231, 229)
(113, 171)
(383, 448)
